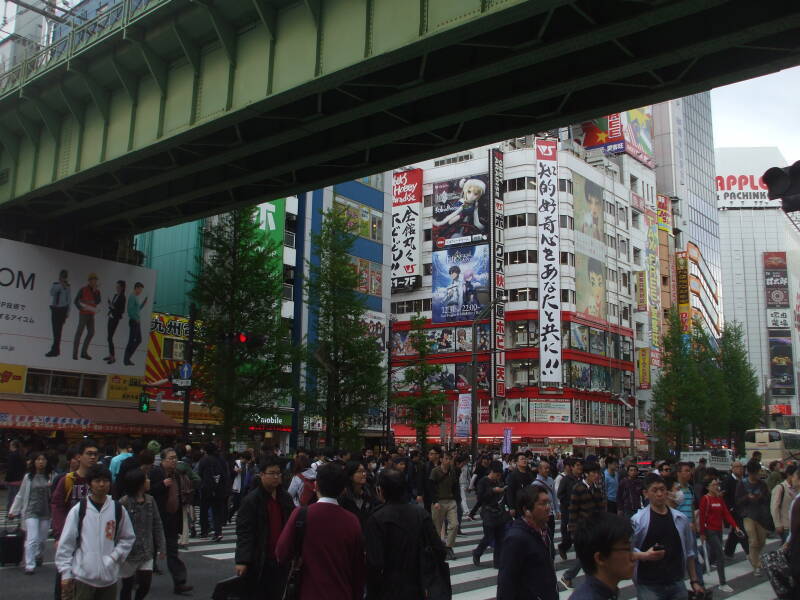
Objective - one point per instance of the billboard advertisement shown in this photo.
(406, 215)
(780, 363)
(682, 285)
(460, 282)
(776, 290)
(70, 312)
(590, 248)
(638, 129)
(643, 362)
(510, 410)
(498, 276)
(166, 352)
(549, 412)
(664, 212)
(464, 376)
(442, 340)
(272, 221)
(550, 361)
(776, 279)
(445, 380)
(464, 416)
(461, 212)
(605, 133)
(641, 291)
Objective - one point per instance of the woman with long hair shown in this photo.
(32, 503)
(358, 496)
(303, 480)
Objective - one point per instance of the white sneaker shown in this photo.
(725, 588)
(757, 572)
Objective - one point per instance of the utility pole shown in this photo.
(187, 392)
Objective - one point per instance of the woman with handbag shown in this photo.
(494, 515)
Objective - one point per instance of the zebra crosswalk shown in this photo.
(472, 582)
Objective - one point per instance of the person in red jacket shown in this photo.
(333, 546)
(713, 511)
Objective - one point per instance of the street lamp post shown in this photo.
(474, 383)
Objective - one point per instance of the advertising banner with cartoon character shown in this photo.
(464, 416)
(69, 312)
(590, 248)
(461, 212)
(510, 410)
(460, 283)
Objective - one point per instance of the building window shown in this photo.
(623, 247)
(568, 258)
(622, 216)
(427, 268)
(565, 185)
(522, 334)
(611, 241)
(521, 256)
(637, 256)
(450, 160)
(519, 183)
(523, 295)
(370, 276)
(611, 274)
(567, 222)
(521, 220)
(56, 383)
(427, 200)
(636, 219)
(411, 306)
(568, 296)
(426, 235)
(362, 220)
(610, 209)
(625, 280)
(640, 331)
(664, 281)
(626, 312)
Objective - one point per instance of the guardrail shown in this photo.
(80, 37)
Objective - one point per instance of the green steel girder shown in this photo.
(73, 106)
(225, 31)
(10, 143)
(51, 120)
(504, 69)
(155, 64)
(99, 95)
(29, 127)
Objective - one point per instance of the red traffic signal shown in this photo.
(241, 337)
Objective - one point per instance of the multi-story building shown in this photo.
(25, 32)
(760, 266)
(603, 243)
(684, 152)
(174, 252)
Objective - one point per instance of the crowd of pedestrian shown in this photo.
(338, 524)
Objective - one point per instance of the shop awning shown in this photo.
(559, 433)
(16, 414)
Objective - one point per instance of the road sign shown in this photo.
(185, 370)
(182, 382)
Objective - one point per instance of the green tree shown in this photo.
(424, 403)
(710, 410)
(238, 287)
(674, 391)
(344, 359)
(740, 384)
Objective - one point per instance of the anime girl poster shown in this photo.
(461, 211)
(460, 283)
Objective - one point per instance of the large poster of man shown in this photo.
(70, 312)
(590, 248)
(460, 212)
(510, 410)
(460, 283)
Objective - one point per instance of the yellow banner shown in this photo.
(643, 360)
(12, 379)
(124, 387)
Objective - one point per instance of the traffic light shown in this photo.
(144, 402)
(784, 183)
(243, 339)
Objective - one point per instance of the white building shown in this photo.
(760, 292)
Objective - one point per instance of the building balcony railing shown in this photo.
(80, 37)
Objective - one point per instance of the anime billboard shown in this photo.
(460, 283)
(640, 135)
(461, 212)
(590, 248)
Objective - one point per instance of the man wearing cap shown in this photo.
(87, 301)
(59, 309)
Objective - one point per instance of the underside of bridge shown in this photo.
(528, 67)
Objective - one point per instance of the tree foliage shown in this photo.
(741, 384)
(706, 389)
(424, 403)
(345, 361)
(238, 287)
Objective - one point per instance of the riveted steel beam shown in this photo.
(190, 49)
(29, 127)
(268, 15)
(73, 105)
(155, 64)
(100, 95)
(51, 120)
(225, 31)
(129, 81)
(10, 143)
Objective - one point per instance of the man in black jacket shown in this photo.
(481, 471)
(166, 488)
(493, 515)
(526, 565)
(424, 483)
(261, 517)
(393, 536)
(214, 488)
(729, 493)
(573, 470)
(518, 479)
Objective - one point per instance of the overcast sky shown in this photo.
(760, 112)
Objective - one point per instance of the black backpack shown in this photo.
(82, 513)
(215, 480)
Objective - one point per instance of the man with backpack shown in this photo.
(95, 541)
(214, 486)
(69, 490)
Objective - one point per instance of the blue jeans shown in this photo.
(672, 591)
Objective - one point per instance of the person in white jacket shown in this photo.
(89, 564)
(32, 503)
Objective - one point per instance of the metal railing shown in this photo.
(79, 38)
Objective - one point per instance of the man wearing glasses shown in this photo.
(603, 546)
(259, 523)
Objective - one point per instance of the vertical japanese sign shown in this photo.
(464, 416)
(664, 211)
(498, 276)
(653, 283)
(682, 278)
(506, 441)
(406, 215)
(641, 291)
(549, 262)
(643, 363)
(781, 364)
